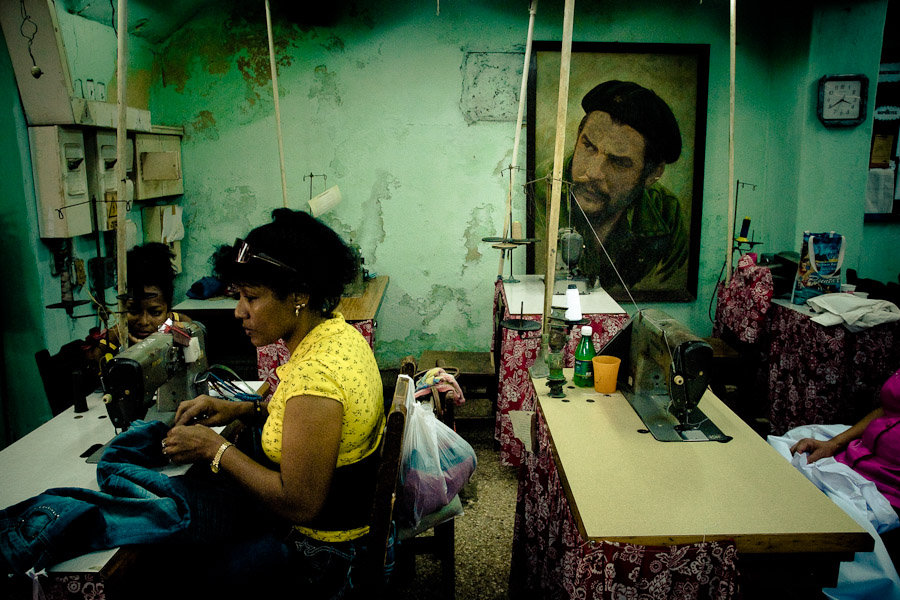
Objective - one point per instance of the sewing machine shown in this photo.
(163, 366)
(663, 375)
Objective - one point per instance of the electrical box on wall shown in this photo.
(158, 166)
(60, 181)
(100, 148)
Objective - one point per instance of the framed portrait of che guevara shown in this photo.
(632, 179)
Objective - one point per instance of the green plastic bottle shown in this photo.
(584, 352)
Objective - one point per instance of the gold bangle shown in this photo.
(214, 465)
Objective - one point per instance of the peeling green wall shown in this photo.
(378, 102)
(412, 114)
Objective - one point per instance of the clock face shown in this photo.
(842, 99)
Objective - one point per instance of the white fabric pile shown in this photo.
(871, 574)
(854, 312)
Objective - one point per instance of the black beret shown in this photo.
(641, 109)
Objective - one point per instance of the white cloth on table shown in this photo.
(871, 574)
(854, 312)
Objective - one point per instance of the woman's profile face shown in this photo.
(263, 316)
(144, 316)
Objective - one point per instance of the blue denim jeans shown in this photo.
(136, 504)
(199, 528)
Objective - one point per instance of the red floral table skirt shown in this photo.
(809, 373)
(71, 586)
(822, 374)
(272, 356)
(551, 560)
(518, 352)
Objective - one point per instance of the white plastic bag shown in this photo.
(436, 464)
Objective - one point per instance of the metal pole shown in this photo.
(277, 108)
(730, 221)
(558, 159)
(121, 149)
(507, 219)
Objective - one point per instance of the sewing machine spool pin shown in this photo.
(522, 325)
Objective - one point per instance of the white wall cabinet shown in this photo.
(60, 181)
(158, 166)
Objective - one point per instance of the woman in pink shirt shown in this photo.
(871, 447)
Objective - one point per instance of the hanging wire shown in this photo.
(27, 20)
(59, 210)
(112, 7)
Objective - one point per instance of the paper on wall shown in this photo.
(172, 226)
(880, 191)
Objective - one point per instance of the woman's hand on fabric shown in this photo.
(206, 410)
(191, 443)
(816, 449)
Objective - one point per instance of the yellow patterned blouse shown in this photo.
(333, 361)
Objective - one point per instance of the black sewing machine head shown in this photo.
(664, 373)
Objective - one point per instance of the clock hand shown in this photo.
(838, 102)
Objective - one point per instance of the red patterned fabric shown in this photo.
(743, 303)
(272, 356)
(808, 373)
(518, 352)
(73, 586)
(551, 560)
(822, 374)
(611, 570)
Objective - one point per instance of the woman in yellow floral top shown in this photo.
(324, 422)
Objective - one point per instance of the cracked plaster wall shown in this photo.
(412, 115)
(375, 103)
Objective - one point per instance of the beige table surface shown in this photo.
(527, 297)
(626, 486)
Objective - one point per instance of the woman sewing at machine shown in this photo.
(324, 422)
(151, 284)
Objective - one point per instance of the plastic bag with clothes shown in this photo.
(436, 464)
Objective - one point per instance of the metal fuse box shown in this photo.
(100, 146)
(60, 181)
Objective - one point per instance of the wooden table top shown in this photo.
(626, 486)
(359, 308)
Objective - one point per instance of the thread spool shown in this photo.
(745, 229)
(517, 230)
(573, 303)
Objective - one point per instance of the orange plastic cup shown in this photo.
(606, 370)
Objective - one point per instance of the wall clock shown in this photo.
(842, 100)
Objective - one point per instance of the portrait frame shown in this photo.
(677, 73)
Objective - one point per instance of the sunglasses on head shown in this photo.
(243, 254)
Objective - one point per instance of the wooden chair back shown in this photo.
(385, 492)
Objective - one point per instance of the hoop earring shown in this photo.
(297, 308)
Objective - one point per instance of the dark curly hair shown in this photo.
(323, 263)
(151, 265)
